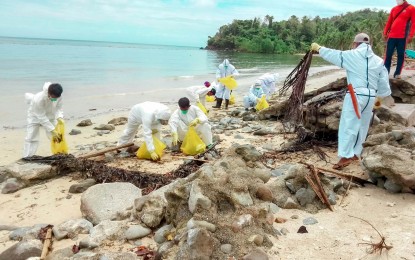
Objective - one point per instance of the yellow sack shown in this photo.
(159, 146)
(59, 147)
(232, 99)
(262, 104)
(229, 82)
(202, 107)
(192, 144)
(210, 98)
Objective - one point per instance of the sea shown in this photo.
(93, 73)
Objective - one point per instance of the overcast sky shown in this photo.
(169, 22)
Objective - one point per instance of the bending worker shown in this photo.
(224, 69)
(369, 79)
(45, 110)
(198, 93)
(268, 82)
(254, 94)
(186, 116)
(151, 115)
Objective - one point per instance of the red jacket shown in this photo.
(397, 28)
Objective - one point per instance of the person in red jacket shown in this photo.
(398, 32)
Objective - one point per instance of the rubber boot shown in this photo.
(226, 103)
(218, 103)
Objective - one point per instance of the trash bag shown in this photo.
(232, 99)
(59, 146)
(210, 98)
(229, 82)
(192, 144)
(202, 107)
(262, 104)
(159, 147)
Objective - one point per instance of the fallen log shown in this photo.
(104, 151)
(344, 176)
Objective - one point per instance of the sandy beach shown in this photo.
(336, 236)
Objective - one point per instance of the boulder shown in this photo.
(197, 199)
(118, 121)
(103, 201)
(136, 232)
(26, 233)
(11, 185)
(23, 250)
(150, 210)
(201, 244)
(86, 122)
(106, 230)
(248, 152)
(72, 228)
(30, 172)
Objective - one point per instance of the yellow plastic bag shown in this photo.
(192, 144)
(56, 146)
(202, 107)
(262, 104)
(210, 98)
(159, 147)
(232, 99)
(229, 82)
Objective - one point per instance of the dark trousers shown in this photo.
(399, 44)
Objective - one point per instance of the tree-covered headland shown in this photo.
(296, 34)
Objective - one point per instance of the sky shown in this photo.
(166, 22)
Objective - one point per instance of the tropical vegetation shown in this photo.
(296, 34)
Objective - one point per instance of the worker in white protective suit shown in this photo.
(198, 93)
(186, 116)
(268, 82)
(151, 115)
(369, 79)
(254, 95)
(222, 93)
(45, 110)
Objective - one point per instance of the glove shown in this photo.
(378, 103)
(315, 47)
(195, 122)
(175, 138)
(55, 136)
(154, 131)
(61, 121)
(154, 156)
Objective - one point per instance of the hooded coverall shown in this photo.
(179, 123)
(369, 78)
(268, 82)
(253, 95)
(221, 91)
(198, 93)
(149, 115)
(42, 112)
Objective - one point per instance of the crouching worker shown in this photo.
(45, 110)
(151, 115)
(254, 95)
(186, 116)
(198, 93)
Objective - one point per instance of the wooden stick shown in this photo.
(104, 151)
(345, 176)
(187, 158)
(314, 187)
(323, 193)
(47, 243)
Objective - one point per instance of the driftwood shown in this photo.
(316, 185)
(104, 151)
(188, 158)
(47, 243)
(344, 176)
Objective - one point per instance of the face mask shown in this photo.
(226, 67)
(257, 88)
(399, 2)
(53, 99)
(184, 112)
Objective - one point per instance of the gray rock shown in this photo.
(264, 131)
(7, 228)
(11, 185)
(242, 222)
(72, 228)
(226, 248)
(160, 235)
(250, 117)
(236, 112)
(201, 244)
(82, 186)
(86, 255)
(197, 199)
(290, 186)
(200, 224)
(305, 196)
(23, 250)
(4, 175)
(106, 230)
(397, 134)
(101, 133)
(263, 174)
(256, 254)
(86, 122)
(281, 170)
(150, 209)
(75, 132)
(256, 239)
(136, 231)
(274, 208)
(60, 254)
(26, 233)
(29, 172)
(380, 182)
(392, 187)
(310, 221)
(332, 198)
(264, 193)
(242, 198)
(118, 121)
(248, 152)
(105, 127)
(247, 129)
(164, 248)
(291, 204)
(238, 136)
(117, 256)
(284, 231)
(103, 201)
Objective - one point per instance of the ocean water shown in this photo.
(89, 70)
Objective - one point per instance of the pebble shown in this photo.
(75, 132)
(136, 231)
(284, 231)
(366, 239)
(310, 221)
(394, 215)
(226, 248)
(391, 204)
(294, 216)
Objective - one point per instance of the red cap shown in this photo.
(207, 84)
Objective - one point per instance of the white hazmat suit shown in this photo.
(179, 123)
(198, 93)
(42, 112)
(369, 78)
(224, 69)
(268, 82)
(254, 93)
(149, 115)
